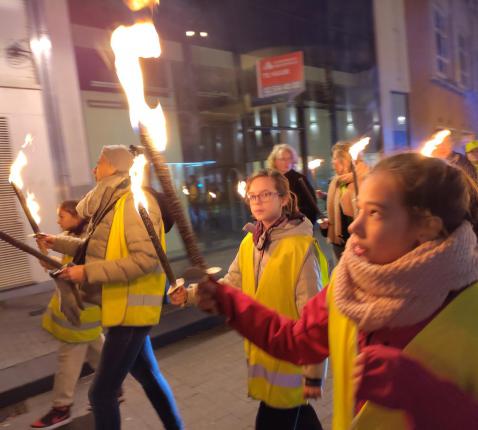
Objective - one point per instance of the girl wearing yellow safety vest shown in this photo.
(120, 263)
(278, 263)
(399, 316)
(76, 343)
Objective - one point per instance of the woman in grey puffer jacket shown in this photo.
(127, 348)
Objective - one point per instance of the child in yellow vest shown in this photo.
(77, 344)
(399, 316)
(278, 263)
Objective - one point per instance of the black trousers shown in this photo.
(300, 418)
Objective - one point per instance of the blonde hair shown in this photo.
(271, 159)
(281, 184)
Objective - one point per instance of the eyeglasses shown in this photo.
(263, 197)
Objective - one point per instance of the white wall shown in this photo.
(392, 60)
(67, 94)
(24, 110)
(15, 72)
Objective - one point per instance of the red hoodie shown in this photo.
(390, 378)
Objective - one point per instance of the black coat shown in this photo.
(303, 200)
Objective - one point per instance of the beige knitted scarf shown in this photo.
(410, 289)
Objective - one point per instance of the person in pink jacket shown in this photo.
(398, 318)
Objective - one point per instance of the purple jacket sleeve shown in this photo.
(300, 342)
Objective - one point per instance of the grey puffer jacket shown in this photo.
(142, 258)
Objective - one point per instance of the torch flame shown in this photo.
(33, 206)
(430, 145)
(313, 164)
(136, 174)
(129, 44)
(136, 5)
(358, 147)
(213, 195)
(241, 189)
(19, 163)
(185, 190)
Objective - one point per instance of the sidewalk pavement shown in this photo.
(207, 373)
(28, 353)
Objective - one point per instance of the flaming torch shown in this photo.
(354, 152)
(430, 145)
(129, 44)
(241, 189)
(141, 203)
(29, 204)
(314, 164)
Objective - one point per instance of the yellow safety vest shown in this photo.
(276, 382)
(135, 303)
(447, 346)
(55, 322)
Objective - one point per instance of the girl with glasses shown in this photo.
(280, 264)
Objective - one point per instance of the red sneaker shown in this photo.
(57, 417)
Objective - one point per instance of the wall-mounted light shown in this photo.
(190, 33)
(401, 120)
(41, 45)
(203, 34)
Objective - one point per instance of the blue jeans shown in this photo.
(128, 349)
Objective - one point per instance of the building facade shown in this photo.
(360, 70)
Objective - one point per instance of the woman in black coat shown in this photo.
(283, 158)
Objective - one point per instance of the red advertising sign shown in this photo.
(283, 74)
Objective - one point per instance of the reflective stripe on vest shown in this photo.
(144, 300)
(447, 347)
(56, 323)
(275, 378)
(276, 290)
(138, 302)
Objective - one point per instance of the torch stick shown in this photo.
(164, 177)
(29, 250)
(26, 210)
(45, 258)
(157, 244)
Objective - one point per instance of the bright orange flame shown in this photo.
(19, 163)
(136, 174)
(33, 207)
(135, 5)
(129, 45)
(430, 145)
(313, 164)
(358, 147)
(241, 188)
